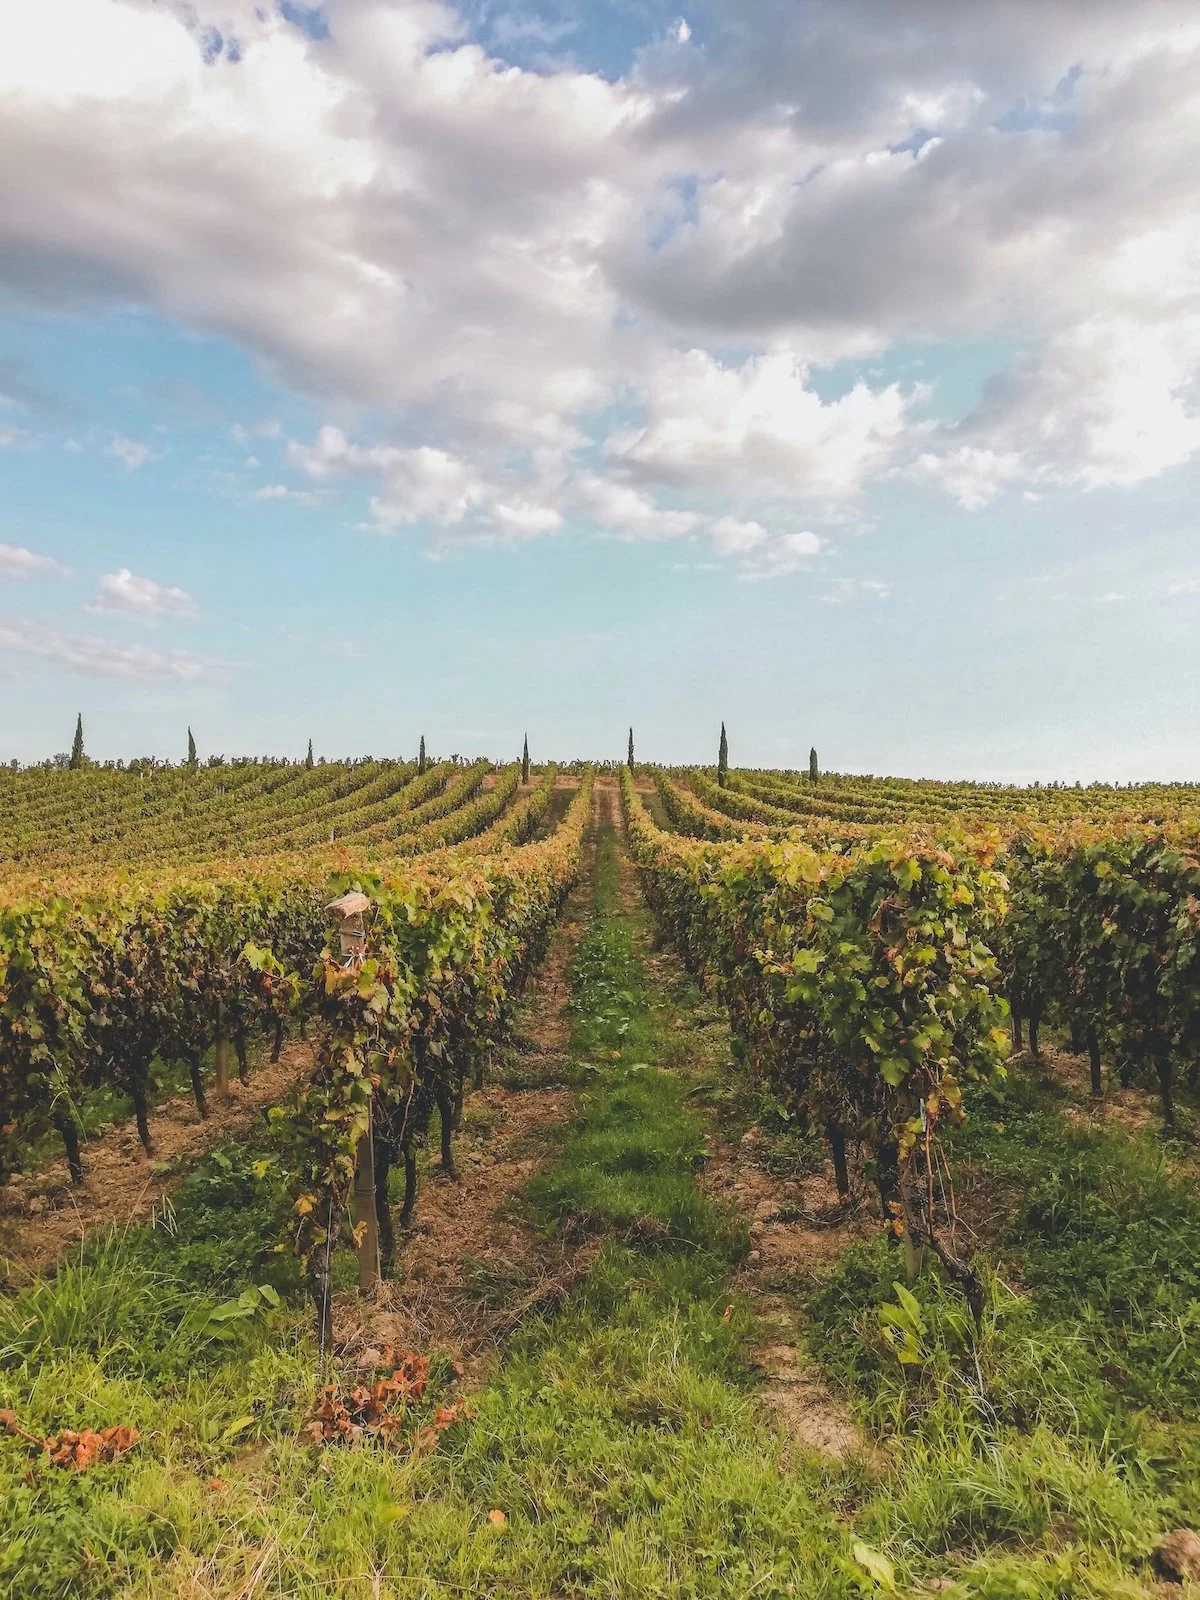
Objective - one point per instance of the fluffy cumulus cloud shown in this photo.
(536, 299)
(125, 593)
(717, 427)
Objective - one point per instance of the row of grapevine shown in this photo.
(1104, 936)
(1089, 920)
(861, 984)
(891, 800)
(405, 1026)
(109, 818)
(98, 986)
(103, 977)
(1101, 937)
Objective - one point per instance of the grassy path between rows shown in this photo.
(618, 1447)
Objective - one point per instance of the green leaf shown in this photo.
(877, 1566)
(234, 1428)
(911, 1305)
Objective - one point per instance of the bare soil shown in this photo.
(471, 1267)
(799, 1228)
(1135, 1108)
(43, 1213)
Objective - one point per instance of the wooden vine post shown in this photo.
(366, 1225)
(222, 1055)
(349, 909)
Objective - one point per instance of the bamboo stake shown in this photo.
(222, 1061)
(364, 1213)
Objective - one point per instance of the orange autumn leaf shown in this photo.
(84, 1449)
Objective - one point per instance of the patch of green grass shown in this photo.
(137, 1329)
(1104, 1235)
(1064, 1426)
(629, 1166)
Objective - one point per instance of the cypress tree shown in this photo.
(421, 759)
(814, 771)
(77, 756)
(525, 761)
(308, 760)
(723, 758)
(192, 758)
(630, 756)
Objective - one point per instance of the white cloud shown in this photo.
(842, 590)
(1107, 405)
(623, 509)
(418, 484)
(524, 521)
(15, 439)
(104, 657)
(280, 491)
(735, 537)
(123, 591)
(131, 452)
(790, 552)
(762, 554)
(973, 476)
(17, 564)
(716, 427)
(427, 483)
(490, 259)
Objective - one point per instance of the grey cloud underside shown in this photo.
(845, 71)
(488, 258)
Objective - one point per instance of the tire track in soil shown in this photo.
(471, 1267)
(798, 1229)
(43, 1213)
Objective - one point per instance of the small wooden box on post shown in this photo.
(348, 909)
(352, 935)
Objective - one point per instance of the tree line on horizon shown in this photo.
(78, 758)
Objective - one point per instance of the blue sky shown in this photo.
(462, 372)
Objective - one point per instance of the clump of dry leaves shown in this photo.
(76, 1451)
(379, 1410)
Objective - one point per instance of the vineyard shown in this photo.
(813, 1209)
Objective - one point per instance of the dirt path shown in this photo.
(471, 1267)
(42, 1213)
(798, 1231)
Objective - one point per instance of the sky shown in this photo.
(373, 370)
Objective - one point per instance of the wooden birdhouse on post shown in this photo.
(352, 933)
